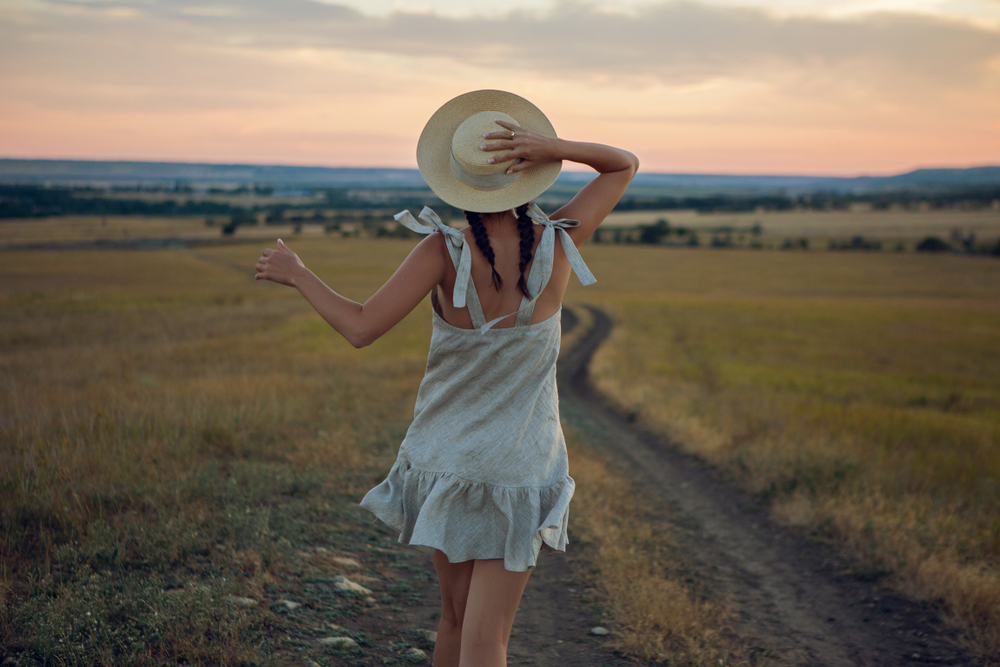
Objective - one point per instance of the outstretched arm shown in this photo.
(591, 205)
(361, 324)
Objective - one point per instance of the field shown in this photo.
(858, 393)
(817, 226)
(174, 434)
(182, 453)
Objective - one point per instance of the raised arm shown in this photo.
(362, 324)
(591, 205)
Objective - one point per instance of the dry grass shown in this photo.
(655, 611)
(860, 394)
(174, 433)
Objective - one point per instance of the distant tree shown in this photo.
(275, 216)
(653, 234)
(239, 217)
(933, 244)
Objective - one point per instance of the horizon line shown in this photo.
(570, 170)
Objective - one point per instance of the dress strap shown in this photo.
(465, 295)
(541, 270)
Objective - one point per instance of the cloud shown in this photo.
(676, 43)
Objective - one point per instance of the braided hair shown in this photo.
(527, 232)
(483, 243)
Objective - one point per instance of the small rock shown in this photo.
(599, 631)
(289, 604)
(312, 663)
(428, 635)
(342, 583)
(335, 627)
(346, 562)
(340, 642)
(241, 602)
(8, 662)
(415, 654)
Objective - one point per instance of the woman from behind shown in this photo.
(482, 474)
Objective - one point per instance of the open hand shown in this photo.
(280, 266)
(527, 147)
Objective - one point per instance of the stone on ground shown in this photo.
(241, 602)
(340, 642)
(415, 655)
(342, 583)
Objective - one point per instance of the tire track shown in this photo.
(796, 599)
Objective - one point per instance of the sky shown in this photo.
(823, 87)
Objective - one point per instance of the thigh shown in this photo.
(454, 579)
(494, 594)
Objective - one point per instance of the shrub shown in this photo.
(933, 244)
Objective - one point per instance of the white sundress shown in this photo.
(482, 471)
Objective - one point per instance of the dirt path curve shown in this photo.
(794, 598)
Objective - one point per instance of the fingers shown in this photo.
(509, 126)
(499, 146)
(520, 165)
(506, 133)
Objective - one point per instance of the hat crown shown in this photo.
(468, 137)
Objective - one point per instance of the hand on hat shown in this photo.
(529, 148)
(280, 266)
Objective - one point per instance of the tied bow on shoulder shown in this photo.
(454, 237)
(545, 252)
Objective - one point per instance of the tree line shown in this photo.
(27, 201)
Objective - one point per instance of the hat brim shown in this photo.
(434, 153)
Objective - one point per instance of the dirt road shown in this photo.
(791, 596)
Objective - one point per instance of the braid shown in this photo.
(526, 227)
(483, 243)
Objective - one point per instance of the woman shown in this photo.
(482, 475)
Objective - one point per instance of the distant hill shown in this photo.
(108, 174)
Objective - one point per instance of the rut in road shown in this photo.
(794, 597)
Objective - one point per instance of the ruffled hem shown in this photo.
(469, 520)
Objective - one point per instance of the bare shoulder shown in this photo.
(433, 245)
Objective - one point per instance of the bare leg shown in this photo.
(454, 579)
(493, 596)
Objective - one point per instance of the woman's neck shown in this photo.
(498, 220)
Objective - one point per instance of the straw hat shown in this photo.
(457, 169)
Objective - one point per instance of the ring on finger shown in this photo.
(512, 135)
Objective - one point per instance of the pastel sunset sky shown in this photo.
(838, 87)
